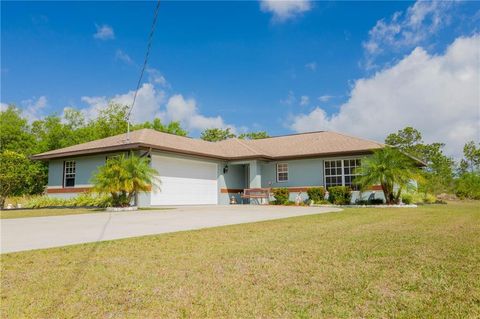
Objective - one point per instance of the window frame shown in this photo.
(283, 172)
(343, 173)
(72, 174)
(357, 163)
(336, 175)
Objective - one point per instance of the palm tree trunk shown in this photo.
(2, 201)
(386, 193)
(397, 197)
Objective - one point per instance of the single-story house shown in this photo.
(196, 172)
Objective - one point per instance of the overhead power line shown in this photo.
(144, 66)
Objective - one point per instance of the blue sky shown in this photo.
(277, 66)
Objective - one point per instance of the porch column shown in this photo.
(255, 177)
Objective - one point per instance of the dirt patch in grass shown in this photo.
(402, 263)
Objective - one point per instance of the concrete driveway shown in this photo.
(44, 232)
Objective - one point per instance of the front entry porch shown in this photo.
(239, 176)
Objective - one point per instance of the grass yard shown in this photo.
(40, 212)
(382, 263)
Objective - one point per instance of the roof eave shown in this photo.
(99, 150)
(135, 146)
(327, 154)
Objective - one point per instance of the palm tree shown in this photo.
(390, 168)
(140, 175)
(123, 177)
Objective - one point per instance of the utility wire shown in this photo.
(147, 54)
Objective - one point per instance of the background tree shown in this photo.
(389, 168)
(216, 134)
(18, 175)
(471, 158)
(438, 175)
(254, 135)
(110, 121)
(54, 131)
(409, 140)
(15, 133)
(467, 185)
(50, 133)
(157, 125)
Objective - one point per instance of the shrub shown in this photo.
(407, 198)
(90, 199)
(417, 198)
(281, 196)
(340, 195)
(375, 201)
(429, 199)
(44, 201)
(316, 194)
(82, 200)
(468, 186)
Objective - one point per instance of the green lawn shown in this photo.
(41, 212)
(21, 213)
(361, 263)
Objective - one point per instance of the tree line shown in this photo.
(19, 139)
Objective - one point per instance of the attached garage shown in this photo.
(184, 182)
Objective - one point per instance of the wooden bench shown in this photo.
(257, 194)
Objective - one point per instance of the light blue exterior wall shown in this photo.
(304, 172)
(85, 167)
(240, 175)
(233, 179)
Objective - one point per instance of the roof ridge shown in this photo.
(249, 147)
(293, 134)
(161, 132)
(358, 138)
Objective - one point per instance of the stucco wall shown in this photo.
(233, 179)
(84, 166)
(305, 172)
(240, 175)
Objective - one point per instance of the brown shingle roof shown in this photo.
(288, 146)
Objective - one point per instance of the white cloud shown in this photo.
(3, 106)
(290, 99)
(147, 105)
(122, 56)
(283, 10)
(312, 66)
(104, 32)
(151, 102)
(406, 30)
(325, 98)
(154, 76)
(32, 108)
(186, 112)
(304, 100)
(437, 94)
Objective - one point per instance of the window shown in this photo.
(349, 167)
(341, 172)
(282, 172)
(69, 174)
(333, 173)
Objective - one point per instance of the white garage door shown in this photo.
(184, 182)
